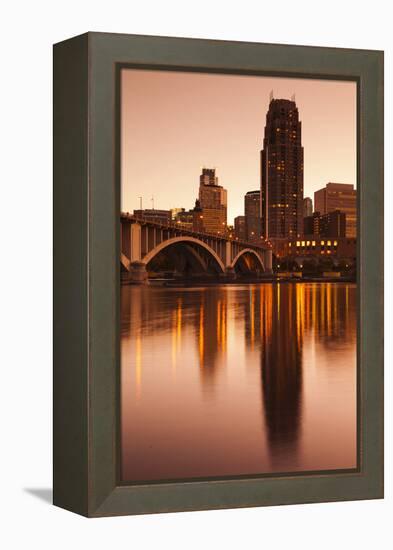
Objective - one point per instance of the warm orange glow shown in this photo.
(218, 323)
(173, 121)
(222, 395)
(138, 365)
(174, 342)
(178, 322)
(201, 339)
(252, 317)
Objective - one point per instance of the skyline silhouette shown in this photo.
(174, 123)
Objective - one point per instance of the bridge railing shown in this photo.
(191, 232)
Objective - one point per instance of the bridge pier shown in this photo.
(138, 273)
(230, 272)
(268, 261)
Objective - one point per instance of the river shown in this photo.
(234, 380)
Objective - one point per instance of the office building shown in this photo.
(332, 224)
(175, 212)
(282, 173)
(190, 219)
(252, 214)
(342, 197)
(340, 247)
(164, 217)
(213, 202)
(307, 207)
(240, 228)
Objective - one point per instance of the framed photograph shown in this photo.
(218, 274)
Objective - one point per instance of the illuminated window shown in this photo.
(329, 243)
(322, 243)
(290, 244)
(297, 243)
(313, 243)
(303, 243)
(335, 243)
(308, 243)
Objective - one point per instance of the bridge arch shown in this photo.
(183, 240)
(247, 251)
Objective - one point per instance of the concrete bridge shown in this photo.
(144, 244)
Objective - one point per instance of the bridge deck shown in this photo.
(266, 245)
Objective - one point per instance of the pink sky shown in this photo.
(174, 123)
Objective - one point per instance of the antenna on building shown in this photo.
(140, 203)
(293, 97)
(271, 95)
(152, 202)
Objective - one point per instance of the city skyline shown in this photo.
(171, 120)
(282, 171)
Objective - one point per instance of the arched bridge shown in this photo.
(148, 246)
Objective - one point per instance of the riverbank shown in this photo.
(209, 281)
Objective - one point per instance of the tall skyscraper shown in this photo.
(282, 173)
(338, 196)
(252, 214)
(240, 228)
(307, 207)
(212, 201)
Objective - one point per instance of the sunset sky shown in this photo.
(174, 123)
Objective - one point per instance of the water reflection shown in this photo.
(233, 380)
(281, 371)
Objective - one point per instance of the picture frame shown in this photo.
(87, 272)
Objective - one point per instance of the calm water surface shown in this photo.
(234, 380)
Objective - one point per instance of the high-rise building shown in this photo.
(213, 201)
(252, 214)
(208, 177)
(338, 196)
(332, 224)
(307, 207)
(240, 228)
(282, 173)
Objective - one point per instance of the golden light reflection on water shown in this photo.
(138, 365)
(233, 380)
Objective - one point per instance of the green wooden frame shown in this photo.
(86, 273)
